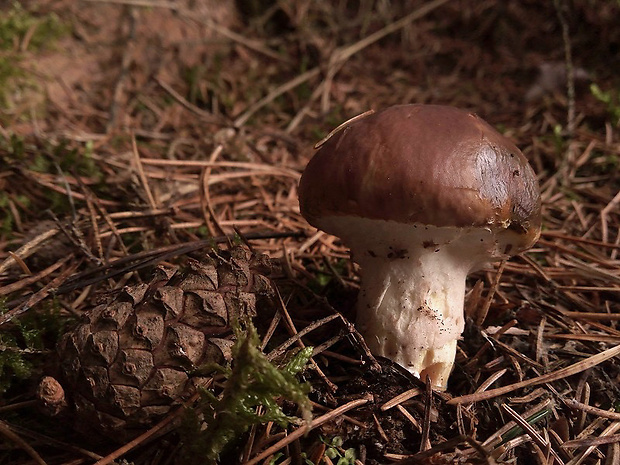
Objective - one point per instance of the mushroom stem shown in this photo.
(410, 310)
(410, 307)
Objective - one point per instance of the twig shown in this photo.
(274, 94)
(587, 442)
(275, 353)
(151, 432)
(425, 442)
(37, 296)
(341, 55)
(491, 379)
(188, 14)
(205, 196)
(422, 458)
(124, 71)
(611, 206)
(146, 259)
(547, 378)
(506, 432)
(43, 439)
(205, 115)
(336, 61)
(27, 249)
(16, 286)
(612, 415)
(276, 170)
(570, 71)
(410, 417)
(293, 330)
(5, 430)
(606, 432)
(141, 174)
(400, 398)
(537, 438)
(306, 428)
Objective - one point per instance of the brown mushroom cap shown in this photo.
(428, 164)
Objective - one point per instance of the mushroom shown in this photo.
(422, 195)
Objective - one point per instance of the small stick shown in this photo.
(274, 94)
(306, 428)
(400, 398)
(208, 117)
(593, 410)
(425, 443)
(141, 174)
(410, 417)
(124, 71)
(272, 329)
(150, 433)
(491, 379)
(5, 430)
(205, 198)
(341, 127)
(502, 435)
(294, 333)
(537, 438)
(16, 286)
(36, 297)
(547, 378)
(482, 313)
(592, 441)
(286, 344)
(606, 432)
(151, 257)
(341, 55)
(27, 249)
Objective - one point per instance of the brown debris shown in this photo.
(147, 130)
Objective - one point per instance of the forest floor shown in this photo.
(132, 129)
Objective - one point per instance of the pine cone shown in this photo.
(129, 361)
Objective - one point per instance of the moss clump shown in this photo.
(23, 31)
(253, 381)
(23, 342)
(17, 23)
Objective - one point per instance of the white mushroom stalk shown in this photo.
(410, 306)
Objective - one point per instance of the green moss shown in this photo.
(17, 22)
(335, 452)
(611, 98)
(13, 364)
(194, 76)
(67, 158)
(8, 219)
(253, 381)
(20, 345)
